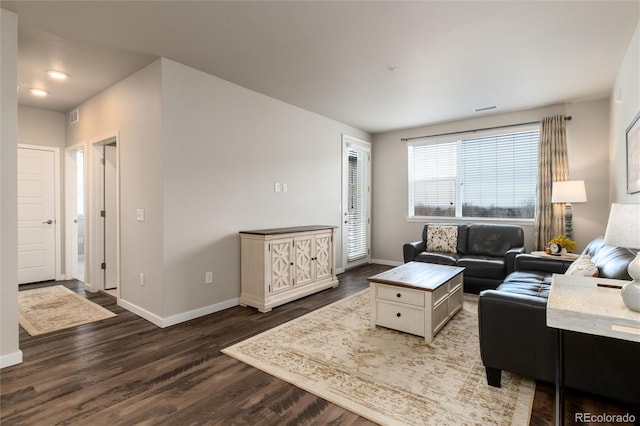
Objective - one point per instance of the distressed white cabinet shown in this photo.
(284, 264)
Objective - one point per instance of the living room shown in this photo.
(191, 160)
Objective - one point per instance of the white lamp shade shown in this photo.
(569, 191)
(623, 229)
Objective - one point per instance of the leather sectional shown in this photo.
(514, 335)
(486, 251)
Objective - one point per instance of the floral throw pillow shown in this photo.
(442, 238)
(582, 267)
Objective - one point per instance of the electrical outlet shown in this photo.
(208, 277)
(141, 278)
(285, 187)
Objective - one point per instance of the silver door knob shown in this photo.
(48, 222)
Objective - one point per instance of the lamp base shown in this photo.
(631, 291)
(631, 295)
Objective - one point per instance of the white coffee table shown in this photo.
(417, 298)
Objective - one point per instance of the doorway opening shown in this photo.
(75, 208)
(102, 268)
(109, 215)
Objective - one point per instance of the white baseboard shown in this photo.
(143, 313)
(179, 318)
(339, 271)
(386, 262)
(11, 359)
(211, 309)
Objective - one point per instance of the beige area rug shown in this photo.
(48, 309)
(389, 377)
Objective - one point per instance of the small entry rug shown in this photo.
(47, 309)
(389, 377)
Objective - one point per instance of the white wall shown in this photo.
(132, 110)
(41, 127)
(622, 113)
(224, 147)
(586, 145)
(588, 152)
(10, 354)
(200, 155)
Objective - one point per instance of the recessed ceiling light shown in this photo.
(58, 75)
(39, 92)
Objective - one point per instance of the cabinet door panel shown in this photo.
(281, 278)
(303, 263)
(323, 256)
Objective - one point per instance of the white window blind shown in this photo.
(357, 210)
(491, 176)
(433, 179)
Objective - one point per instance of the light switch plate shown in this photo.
(276, 187)
(140, 215)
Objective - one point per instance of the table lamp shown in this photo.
(567, 192)
(623, 230)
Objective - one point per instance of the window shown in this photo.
(475, 176)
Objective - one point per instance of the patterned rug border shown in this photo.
(35, 330)
(522, 412)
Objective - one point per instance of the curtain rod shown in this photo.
(567, 118)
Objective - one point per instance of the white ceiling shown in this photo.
(333, 57)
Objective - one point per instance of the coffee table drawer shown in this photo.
(455, 300)
(400, 295)
(440, 316)
(400, 317)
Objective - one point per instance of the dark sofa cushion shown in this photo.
(612, 262)
(527, 285)
(490, 240)
(437, 257)
(483, 266)
(529, 277)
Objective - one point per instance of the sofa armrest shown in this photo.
(510, 258)
(411, 250)
(514, 336)
(529, 262)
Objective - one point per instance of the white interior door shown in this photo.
(36, 215)
(356, 202)
(110, 220)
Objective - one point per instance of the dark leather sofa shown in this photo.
(486, 251)
(514, 335)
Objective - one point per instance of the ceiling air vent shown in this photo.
(74, 116)
(487, 108)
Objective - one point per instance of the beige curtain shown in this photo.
(552, 167)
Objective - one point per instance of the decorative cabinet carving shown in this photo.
(281, 265)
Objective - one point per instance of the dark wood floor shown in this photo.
(125, 370)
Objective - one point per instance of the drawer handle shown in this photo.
(399, 295)
(398, 314)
